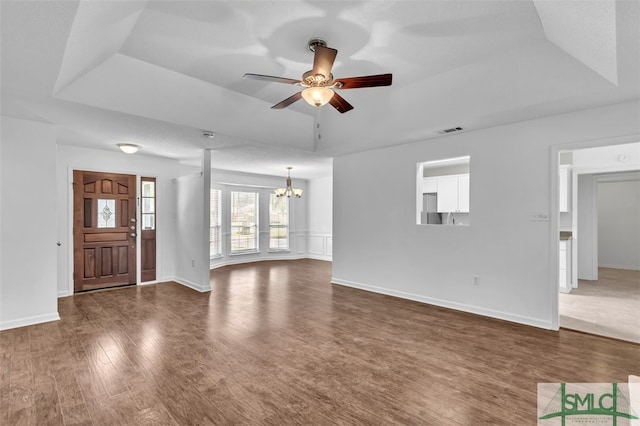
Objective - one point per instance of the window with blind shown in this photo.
(215, 224)
(278, 223)
(244, 222)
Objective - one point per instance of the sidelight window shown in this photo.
(148, 204)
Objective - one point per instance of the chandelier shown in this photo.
(288, 191)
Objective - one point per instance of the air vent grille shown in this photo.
(451, 130)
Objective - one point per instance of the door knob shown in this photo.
(133, 235)
(133, 220)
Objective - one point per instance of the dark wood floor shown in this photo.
(275, 343)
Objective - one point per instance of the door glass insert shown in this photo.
(106, 213)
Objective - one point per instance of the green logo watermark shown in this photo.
(586, 404)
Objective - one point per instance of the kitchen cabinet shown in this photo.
(429, 185)
(447, 194)
(453, 193)
(564, 276)
(564, 192)
(463, 194)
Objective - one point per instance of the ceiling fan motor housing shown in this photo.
(316, 41)
(316, 80)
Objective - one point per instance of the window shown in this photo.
(148, 204)
(215, 224)
(278, 223)
(244, 222)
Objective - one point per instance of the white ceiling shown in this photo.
(159, 73)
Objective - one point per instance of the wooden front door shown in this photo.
(104, 230)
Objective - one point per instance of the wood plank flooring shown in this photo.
(609, 306)
(275, 344)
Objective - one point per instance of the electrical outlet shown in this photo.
(476, 280)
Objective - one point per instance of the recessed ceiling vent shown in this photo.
(451, 130)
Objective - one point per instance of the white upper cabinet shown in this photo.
(463, 194)
(447, 194)
(429, 185)
(453, 194)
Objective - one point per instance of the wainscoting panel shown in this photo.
(320, 246)
(301, 243)
(316, 244)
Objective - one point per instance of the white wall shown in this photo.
(227, 181)
(619, 224)
(320, 239)
(28, 242)
(378, 246)
(610, 158)
(189, 256)
(71, 158)
(587, 232)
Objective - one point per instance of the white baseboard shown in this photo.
(151, 282)
(629, 268)
(192, 285)
(239, 260)
(23, 322)
(320, 257)
(63, 293)
(535, 322)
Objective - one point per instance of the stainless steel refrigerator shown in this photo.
(430, 213)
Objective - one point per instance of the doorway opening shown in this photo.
(599, 241)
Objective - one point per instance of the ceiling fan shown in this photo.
(319, 83)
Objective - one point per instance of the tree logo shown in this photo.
(585, 403)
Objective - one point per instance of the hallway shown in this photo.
(607, 307)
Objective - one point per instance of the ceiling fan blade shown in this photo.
(291, 99)
(271, 79)
(323, 60)
(364, 81)
(339, 103)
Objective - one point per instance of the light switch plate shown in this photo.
(539, 217)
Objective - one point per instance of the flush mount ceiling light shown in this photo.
(288, 191)
(128, 148)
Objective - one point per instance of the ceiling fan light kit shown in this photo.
(317, 96)
(319, 83)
